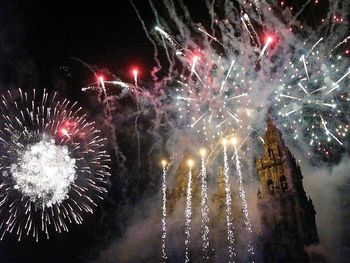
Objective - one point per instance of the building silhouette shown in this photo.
(287, 215)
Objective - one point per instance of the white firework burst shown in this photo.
(54, 164)
(312, 102)
(214, 99)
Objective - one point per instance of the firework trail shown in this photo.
(164, 213)
(204, 209)
(54, 164)
(339, 44)
(251, 30)
(188, 212)
(259, 11)
(242, 194)
(229, 218)
(104, 99)
(135, 74)
(268, 42)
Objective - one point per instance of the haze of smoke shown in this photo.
(330, 192)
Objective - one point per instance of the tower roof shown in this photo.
(272, 134)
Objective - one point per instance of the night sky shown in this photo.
(38, 43)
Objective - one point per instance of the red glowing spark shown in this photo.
(194, 62)
(135, 72)
(269, 39)
(100, 78)
(65, 132)
(195, 59)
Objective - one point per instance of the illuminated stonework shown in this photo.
(287, 214)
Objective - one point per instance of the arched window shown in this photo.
(284, 184)
(270, 187)
(270, 153)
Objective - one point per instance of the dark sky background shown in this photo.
(47, 35)
(37, 41)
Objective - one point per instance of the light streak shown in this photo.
(204, 209)
(227, 75)
(164, 213)
(188, 212)
(229, 219)
(242, 194)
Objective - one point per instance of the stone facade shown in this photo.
(287, 214)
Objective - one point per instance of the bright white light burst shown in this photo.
(53, 164)
(44, 172)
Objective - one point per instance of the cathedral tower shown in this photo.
(287, 214)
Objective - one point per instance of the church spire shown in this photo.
(274, 163)
(287, 215)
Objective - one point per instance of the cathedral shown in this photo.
(287, 214)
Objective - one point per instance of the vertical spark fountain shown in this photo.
(229, 219)
(242, 194)
(188, 212)
(164, 214)
(204, 209)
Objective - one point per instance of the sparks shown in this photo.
(242, 194)
(188, 213)
(54, 175)
(164, 213)
(204, 209)
(229, 219)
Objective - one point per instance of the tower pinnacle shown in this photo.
(287, 215)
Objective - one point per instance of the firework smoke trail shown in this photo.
(117, 152)
(54, 165)
(164, 213)
(155, 49)
(135, 74)
(101, 88)
(188, 213)
(339, 44)
(242, 194)
(229, 218)
(259, 12)
(204, 209)
(250, 28)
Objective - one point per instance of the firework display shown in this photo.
(216, 80)
(312, 102)
(258, 62)
(213, 97)
(254, 60)
(54, 164)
